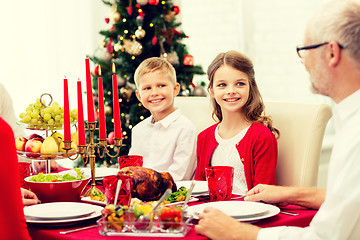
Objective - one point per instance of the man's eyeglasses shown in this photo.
(301, 49)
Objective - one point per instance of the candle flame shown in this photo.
(99, 70)
(113, 68)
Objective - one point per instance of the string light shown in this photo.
(122, 114)
(151, 24)
(124, 133)
(130, 126)
(120, 100)
(108, 93)
(162, 2)
(126, 31)
(132, 57)
(124, 19)
(121, 38)
(139, 104)
(141, 117)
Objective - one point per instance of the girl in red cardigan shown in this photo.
(243, 138)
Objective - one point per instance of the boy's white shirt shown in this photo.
(168, 145)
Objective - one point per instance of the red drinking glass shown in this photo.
(130, 160)
(220, 182)
(124, 196)
(25, 171)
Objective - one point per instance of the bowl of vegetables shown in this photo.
(64, 186)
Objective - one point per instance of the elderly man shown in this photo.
(331, 55)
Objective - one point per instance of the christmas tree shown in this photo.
(139, 29)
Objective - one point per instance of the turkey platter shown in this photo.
(148, 184)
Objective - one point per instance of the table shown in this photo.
(301, 220)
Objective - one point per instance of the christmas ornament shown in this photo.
(153, 2)
(173, 58)
(110, 138)
(126, 92)
(108, 110)
(176, 32)
(168, 34)
(140, 33)
(185, 92)
(133, 47)
(115, 16)
(107, 20)
(175, 9)
(102, 53)
(129, 10)
(188, 60)
(154, 41)
(120, 81)
(96, 70)
(199, 91)
(170, 16)
(142, 2)
(117, 47)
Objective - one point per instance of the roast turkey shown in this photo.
(148, 184)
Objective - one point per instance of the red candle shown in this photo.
(67, 133)
(89, 94)
(81, 124)
(116, 107)
(102, 124)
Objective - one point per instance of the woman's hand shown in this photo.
(28, 197)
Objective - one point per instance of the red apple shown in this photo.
(111, 138)
(34, 135)
(32, 147)
(20, 143)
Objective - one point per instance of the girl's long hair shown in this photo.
(254, 107)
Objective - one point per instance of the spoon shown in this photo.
(118, 185)
(188, 195)
(147, 216)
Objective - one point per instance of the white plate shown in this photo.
(200, 187)
(181, 202)
(96, 213)
(101, 172)
(89, 200)
(58, 210)
(244, 211)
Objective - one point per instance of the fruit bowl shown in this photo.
(55, 126)
(69, 191)
(48, 156)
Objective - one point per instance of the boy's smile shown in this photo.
(156, 92)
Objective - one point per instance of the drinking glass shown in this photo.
(124, 196)
(220, 182)
(25, 171)
(130, 160)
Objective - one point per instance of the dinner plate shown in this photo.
(101, 172)
(243, 211)
(58, 210)
(68, 221)
(89, 200)
(180, 203)
(200, 187)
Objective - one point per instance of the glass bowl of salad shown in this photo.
(65, 186)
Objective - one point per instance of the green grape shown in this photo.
(42, 112)
(39, 121)
(55, 105)
(71, 119)
(37, 105)
(28, 112)
(57, 110)
(47, 110)
(62, 120)
(57, 118)
(22, 115)
(33, 121)
(51, 121)
(35, 114)
(27, 118)
(38, 100)
(74, 113)
(47, 117)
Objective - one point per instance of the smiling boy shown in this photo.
(166, 139)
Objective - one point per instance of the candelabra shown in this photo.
(88, 152)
